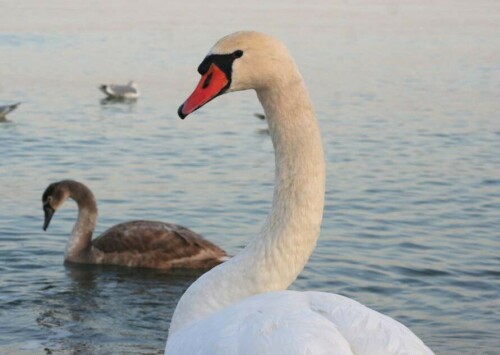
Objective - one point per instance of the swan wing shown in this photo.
(296, 323)
(158, 242)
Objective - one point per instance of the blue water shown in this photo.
(407, 99)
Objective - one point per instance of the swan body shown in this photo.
(292, 322)
(147, 244)
(113, 91)
(240, 307)
(6, 109)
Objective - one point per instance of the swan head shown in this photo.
(240, 61)
(53, 197)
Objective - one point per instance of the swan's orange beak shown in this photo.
(212, 84)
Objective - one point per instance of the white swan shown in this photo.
(240, 307)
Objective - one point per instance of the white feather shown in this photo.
(296, 323)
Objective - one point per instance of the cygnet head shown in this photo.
(53, 197)
(240, 61)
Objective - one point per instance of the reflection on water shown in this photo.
(118, 101)
(82, 313)
(407, 99)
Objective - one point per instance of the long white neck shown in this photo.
(275, 259)
(79, 243)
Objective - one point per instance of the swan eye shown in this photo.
(49, 199)
(237, 54)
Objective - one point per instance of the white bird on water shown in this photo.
(113, 91)
(242, 306)
(6, 109)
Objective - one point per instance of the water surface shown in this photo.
(407, 99)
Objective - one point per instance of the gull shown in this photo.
(128, 91)
(5, 109)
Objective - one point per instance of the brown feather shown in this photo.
(147, 244)
(153, 244)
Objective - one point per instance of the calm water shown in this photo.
(407, 98)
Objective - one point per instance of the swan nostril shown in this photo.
(206, 83)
